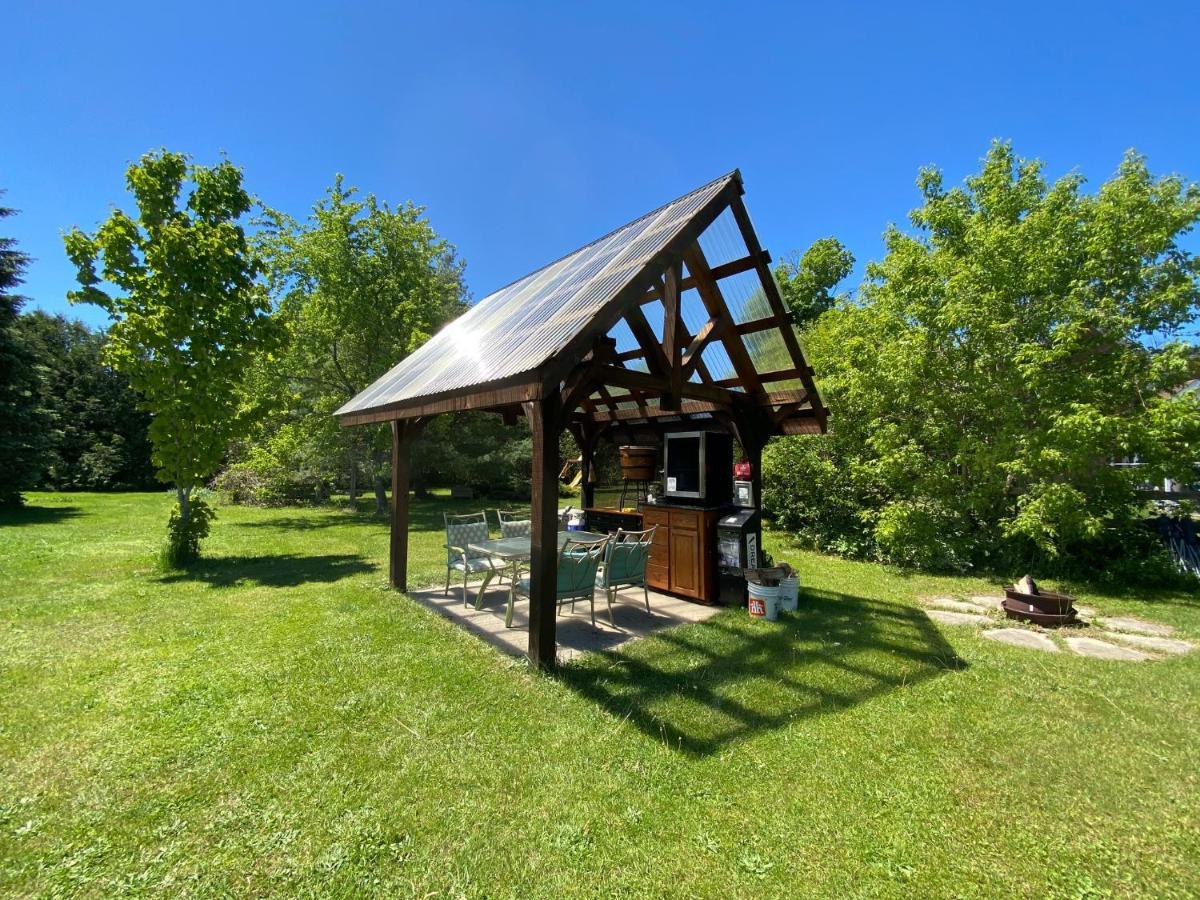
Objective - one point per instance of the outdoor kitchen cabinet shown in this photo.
(683, 553)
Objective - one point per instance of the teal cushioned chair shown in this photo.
(461, 532)
(625, 565)
(578, 562)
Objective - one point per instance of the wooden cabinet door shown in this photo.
(685, 561)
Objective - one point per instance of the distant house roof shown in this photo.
(524, 340)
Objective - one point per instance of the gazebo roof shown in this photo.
(678, 309)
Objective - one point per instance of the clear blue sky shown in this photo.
(529, 129)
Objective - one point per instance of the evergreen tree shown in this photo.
(22, 425)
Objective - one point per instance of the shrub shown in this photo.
(183, 538)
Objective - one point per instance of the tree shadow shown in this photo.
(37, 515)
(277, 570)
(701, 687)
(423, 515)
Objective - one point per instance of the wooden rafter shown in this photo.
(710, 294)
(771, 289)
(654, 384)
(652, 351)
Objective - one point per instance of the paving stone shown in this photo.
(957, 618)
(1019, 637)
(1086, 612)
(962, 606)
(1103, 649)
(1146, 642)
(1140, 626)
(991, 602)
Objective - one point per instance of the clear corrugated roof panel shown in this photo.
(521, 326)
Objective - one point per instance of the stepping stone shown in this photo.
(1086, 612)
(1104, 650)
(962, 606)
(988, 601)
(1141, 626)
(957, 618)
(1146, 642)
(1019, 637)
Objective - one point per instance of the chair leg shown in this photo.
(508, 616)
(646, 593)
(464, 587)
(609, 595)
(592, 599)
(447, 590)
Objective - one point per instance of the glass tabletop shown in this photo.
(521, 547)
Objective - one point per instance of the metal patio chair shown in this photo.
(575, 577)
(461, 532)
(625, 562)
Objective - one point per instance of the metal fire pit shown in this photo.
(1043, 608)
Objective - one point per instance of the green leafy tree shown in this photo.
(22, 422)
(360, 285)
(97, 436)
(807, 283)
(188, 315)
(993, 367)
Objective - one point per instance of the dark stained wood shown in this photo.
(774, 375)
(710, 294)
(519, 389)
(771, 289)
(733, 267)
(647, 277)
(644, 381)
(403, 434)
(544, 427)
(766, 323)
(652, 351)
(691, 356)
(672, 321)
(683, 551)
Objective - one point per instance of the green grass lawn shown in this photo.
(276, 720)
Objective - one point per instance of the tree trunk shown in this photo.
(184, 497)
(353, 479)
(378, 458)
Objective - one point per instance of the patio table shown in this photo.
(514, 551)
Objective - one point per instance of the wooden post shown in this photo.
(404, 432)
(671, 324)
(544, 424)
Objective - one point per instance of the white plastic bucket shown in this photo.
(789, 593)
(764, 601)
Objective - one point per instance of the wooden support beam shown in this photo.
(672, 321)
(691, 356)
(652, 351)
(771, 289)
(710, 293)
(733, 267)
(654, 384)
(766, 323)
(404, 432)
(765, 377)
(517, 390)
(545, 425)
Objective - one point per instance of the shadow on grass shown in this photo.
(279, 570)
(423, 515)
(701, 687)
(37, 515)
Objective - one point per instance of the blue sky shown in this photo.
(527, 130)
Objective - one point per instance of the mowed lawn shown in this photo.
(276, 720)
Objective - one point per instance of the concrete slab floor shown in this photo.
(575, 632)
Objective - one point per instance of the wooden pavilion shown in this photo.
(671, 321)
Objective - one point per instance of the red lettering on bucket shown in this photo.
(757, 607)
